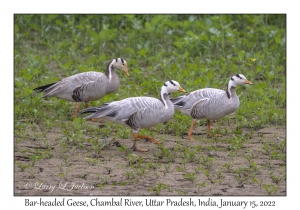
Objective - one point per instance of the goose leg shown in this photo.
(154, 141)
(97, 120)
(136, 136)
(87, 104)
(134, 148)
(209, 130)
(191, 130)
(76, 109)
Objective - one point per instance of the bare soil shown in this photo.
(77, 171)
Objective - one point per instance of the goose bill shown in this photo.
(126, 71)
(181, 89)
(248, 82)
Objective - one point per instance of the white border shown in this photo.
(8, 8)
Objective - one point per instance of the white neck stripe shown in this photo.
(109, 69)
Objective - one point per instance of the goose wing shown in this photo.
(199, 108)
(130, 108)
(187, 101)
(67, 85)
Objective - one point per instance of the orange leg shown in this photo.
(136, 136)
(76, 109)
(97, 120)
(87, 105)
(209, 130)
(191, 130)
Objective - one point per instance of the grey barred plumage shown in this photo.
(86, 86)
(210, 103)
(139, 112)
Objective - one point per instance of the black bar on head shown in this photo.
(172, 82)
(238, 76)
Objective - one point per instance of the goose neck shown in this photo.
(110, 72)
(230, 90)
(164, 97)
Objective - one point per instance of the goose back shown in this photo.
(86, 86)
(208, 103)
(135, 112)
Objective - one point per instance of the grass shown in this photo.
(198, 51)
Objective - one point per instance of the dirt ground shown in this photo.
(77, 172)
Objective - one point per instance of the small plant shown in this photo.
(60, 166)
(191, 177)
(163, 153)
(132, 159)
(201, 185)
(135, 161)
(198, 169)
(254, 167)
(189, 154)
(236, 145)
(266, 148)
(64, 175)
(129, 175)
(268, 165)
(182, 193)
(152, 165)
(183, 163)
(207, 162)
(227, 166)
(220, 175)
(124, 150)
(167, 168)
(243, 174)
(31, 176)
(207, 174)
(259, 182)
(33, 158)
(156, 190)
(101, 186)
(281, 146)
(140, 172)
(93, 161)
(180, 169)
(105, 180)
(271, 189)
(275, 179)
(23, 166)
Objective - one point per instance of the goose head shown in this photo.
(234, 81)
(171, 86)
(238, 79)
(120, 64)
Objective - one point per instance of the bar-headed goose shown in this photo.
(210, 103)
(86, 86)
(139, 112)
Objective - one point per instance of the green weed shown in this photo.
(156, 190)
